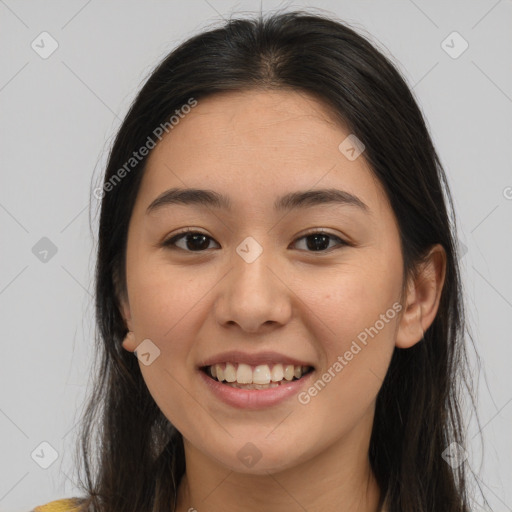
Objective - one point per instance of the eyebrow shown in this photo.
(299, 199)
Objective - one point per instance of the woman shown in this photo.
(276, 250)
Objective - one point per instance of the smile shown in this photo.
(262, 376)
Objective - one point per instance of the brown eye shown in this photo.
(193, 241)
(319, 241)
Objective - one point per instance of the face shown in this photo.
(313, 284)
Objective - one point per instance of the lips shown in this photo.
(253, 373)
(254, 396)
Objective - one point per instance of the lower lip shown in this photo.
(254, 398)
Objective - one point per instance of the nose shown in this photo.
(254, 295)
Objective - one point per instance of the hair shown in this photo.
(133, 457)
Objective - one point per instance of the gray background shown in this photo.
(58, 117)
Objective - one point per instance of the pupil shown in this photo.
(195, 237)
(317, 241)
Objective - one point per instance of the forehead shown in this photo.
(271, 118)
(259, 144)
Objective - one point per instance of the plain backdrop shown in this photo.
(59, 112)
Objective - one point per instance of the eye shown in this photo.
(318, 241)
(195, 241)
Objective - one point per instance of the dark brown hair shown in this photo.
(133, 458)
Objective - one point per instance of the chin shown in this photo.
(257, 457)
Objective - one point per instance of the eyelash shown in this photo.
(170, 243)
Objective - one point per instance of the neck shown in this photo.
(338, 479)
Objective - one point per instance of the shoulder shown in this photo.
(64, 505)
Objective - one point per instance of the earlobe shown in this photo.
(423, 297)
(129, 342)
(410, 330)
(129, 339)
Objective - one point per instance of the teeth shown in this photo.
(258, 377)
(244, 374)
(261, 374)
(254, 386)
(277, 373)
(230, 373)
(289, 372)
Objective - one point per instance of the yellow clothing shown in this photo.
(64, 505)
(73, 504)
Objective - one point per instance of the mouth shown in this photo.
(262, 376)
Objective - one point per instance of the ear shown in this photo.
(129, 340)
(422, 298)
(129, 343)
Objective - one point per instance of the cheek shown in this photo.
(357, 351)
(166, 308)
(350, 300)
(165, 300)
(356, 310)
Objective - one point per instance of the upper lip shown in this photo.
(236, 356)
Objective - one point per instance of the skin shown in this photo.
(255, 146)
